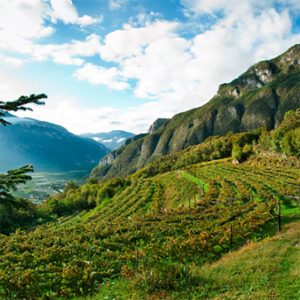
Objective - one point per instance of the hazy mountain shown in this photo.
(47, 146)
(112, 140)
(258, 98)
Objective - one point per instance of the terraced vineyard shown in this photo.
(192, 215)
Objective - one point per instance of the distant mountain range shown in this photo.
(260, 97)
(48, 147)
(112, 140)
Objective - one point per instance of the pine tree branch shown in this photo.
(12, 178)
(20, 104)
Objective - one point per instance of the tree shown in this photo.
(19, 104)
(237, 152)
(12, 178)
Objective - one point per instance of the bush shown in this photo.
(237, 152)
(153, 276)
(290, 143)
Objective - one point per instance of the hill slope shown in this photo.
(47, 146)
(258, 98)
(159, 228)
(263, 270)
(149, 231)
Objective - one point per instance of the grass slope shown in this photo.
(155, 232)
(268, 269)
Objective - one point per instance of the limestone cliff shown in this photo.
(258, 98)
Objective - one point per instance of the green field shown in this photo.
(155, 232)
(45, 184)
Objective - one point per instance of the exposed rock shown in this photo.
(235, 162)
(258, 98)
(227, 89)
(264, 75)
(292, 56)
(227, 119)
(108, 159)
(157, 125)
(147, 149)
(253, 83)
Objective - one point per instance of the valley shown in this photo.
(44, 185)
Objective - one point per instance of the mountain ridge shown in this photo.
(259, 97)
(112, 139)
(47, 146)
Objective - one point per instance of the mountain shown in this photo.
(112, 140)
(257, 98)
(48, 147)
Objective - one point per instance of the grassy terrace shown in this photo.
(162, 236)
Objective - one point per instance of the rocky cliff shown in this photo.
(258, 98)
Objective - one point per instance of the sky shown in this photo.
(121, 64)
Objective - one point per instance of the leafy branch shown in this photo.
(20, 104)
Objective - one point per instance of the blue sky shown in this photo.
(120, 64)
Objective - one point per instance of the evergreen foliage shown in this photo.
(20, 104)
(286, 138)
(15, 212)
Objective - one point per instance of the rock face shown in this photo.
(157, 125)
(258, 98)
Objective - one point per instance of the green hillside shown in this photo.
(159, 233)
(258, 98)
(266, 269)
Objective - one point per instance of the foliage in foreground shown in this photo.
(16, 212)
(263, 270)
(148, 231)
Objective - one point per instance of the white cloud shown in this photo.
(143, 18)
(110, 77)
(86, 20)
(116, 4)
(165, 64)
(171, 71)
(236, 7)
(180, 73)
(68, 112)
(21, 22)
(117, 47)
(23, 18)
(69, 53)
(11, 85)
(11, 61)
(65, 10)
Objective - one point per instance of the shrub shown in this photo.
(237, 152)
(155, 276)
